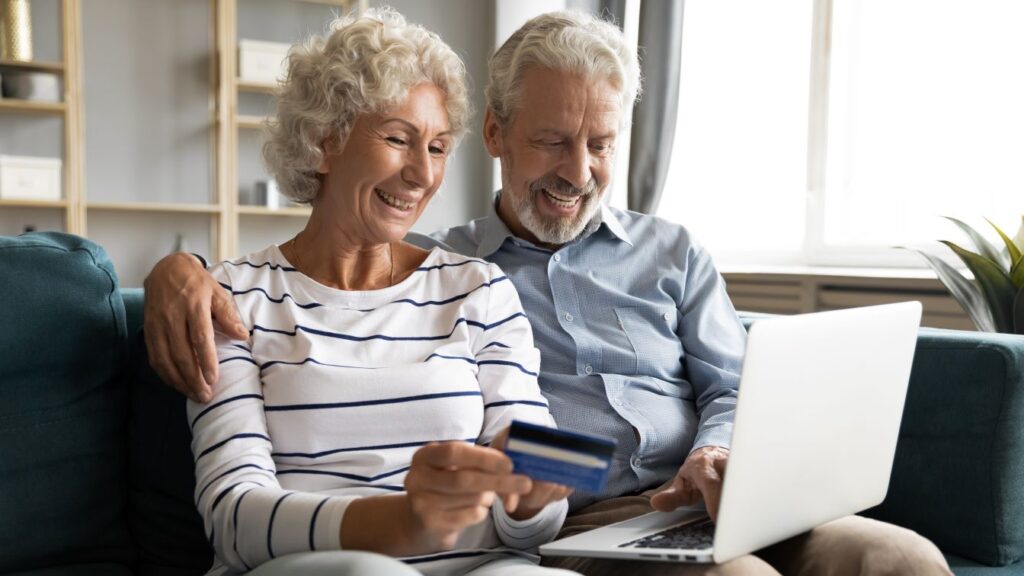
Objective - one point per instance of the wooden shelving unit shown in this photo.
(37, 66)
(167, 207)
(264, 211)
(32, 106)
(12, 203)
(256, 87)
(224, 211)
(70, 109)
(245, 122)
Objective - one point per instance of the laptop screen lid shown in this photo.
(817, 419)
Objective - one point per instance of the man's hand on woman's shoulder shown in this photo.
(182, 301)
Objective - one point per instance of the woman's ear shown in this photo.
(329, 147)
(492, 134)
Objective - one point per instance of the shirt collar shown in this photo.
(494, 231)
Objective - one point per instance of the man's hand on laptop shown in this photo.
(182, 301)
(700, 477)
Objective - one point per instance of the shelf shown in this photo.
(258, 87)
(15, 105)
(250, 122)
(346, 4)
(166, 207)
(36, 66)
(264, 211)
(10, 202)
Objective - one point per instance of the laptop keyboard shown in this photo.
(693, 536)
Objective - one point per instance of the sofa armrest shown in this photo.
(958, 476)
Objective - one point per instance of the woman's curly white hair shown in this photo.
(365, 64)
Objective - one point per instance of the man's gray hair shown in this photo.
(568, 41)
(365, 64)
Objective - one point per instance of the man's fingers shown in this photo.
(160, 354)
(184, 359)
(200, 332)
(709, 483)
(223, 309)
(680, 493)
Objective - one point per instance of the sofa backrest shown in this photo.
(958, 477)
(63, 405)
(165, 525)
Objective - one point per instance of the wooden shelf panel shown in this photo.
(165, 207)
(258, 87)
(346, 4)
(250, 122)
(264, 211)
(13, 203)
(15, 105)
(34, 65)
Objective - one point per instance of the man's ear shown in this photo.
(492, 134)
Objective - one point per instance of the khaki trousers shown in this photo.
(849, 546)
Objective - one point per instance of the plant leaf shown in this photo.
(984, 246)
(1017, 274)
(1011, 248)
(1018, 312)
(963, 290)
(1019, 239)
(995, 285)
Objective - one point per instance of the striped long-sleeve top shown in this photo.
(337, 389)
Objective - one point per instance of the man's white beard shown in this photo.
(556, 230)
(553, 230)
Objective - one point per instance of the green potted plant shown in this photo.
(994, 299)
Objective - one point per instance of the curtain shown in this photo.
(654, 117)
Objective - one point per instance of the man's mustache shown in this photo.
(561, 187)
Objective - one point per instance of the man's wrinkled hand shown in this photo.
(182, 301)
(700, 477)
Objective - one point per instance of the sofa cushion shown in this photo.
(63, 405)
(958, 477)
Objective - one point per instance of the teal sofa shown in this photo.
(96, 474)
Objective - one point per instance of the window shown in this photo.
(828, 131)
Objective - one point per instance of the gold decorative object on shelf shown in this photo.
(16, 30)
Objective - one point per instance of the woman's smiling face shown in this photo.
(389, 168)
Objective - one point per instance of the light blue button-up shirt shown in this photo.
(638, 338)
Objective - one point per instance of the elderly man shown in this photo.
(639, 340)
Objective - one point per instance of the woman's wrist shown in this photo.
(383, 524)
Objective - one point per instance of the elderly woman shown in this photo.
(358, 416)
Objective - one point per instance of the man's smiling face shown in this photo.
(556, 154)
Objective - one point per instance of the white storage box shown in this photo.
(28, 178)
(262, 62)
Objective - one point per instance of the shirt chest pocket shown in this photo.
(653, 349)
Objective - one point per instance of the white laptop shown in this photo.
(820, 402)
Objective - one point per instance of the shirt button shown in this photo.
(588, 369)
(558, 257)
(638, 461)
(568, 317)
(666, 316)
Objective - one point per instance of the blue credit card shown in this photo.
(580, 461)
